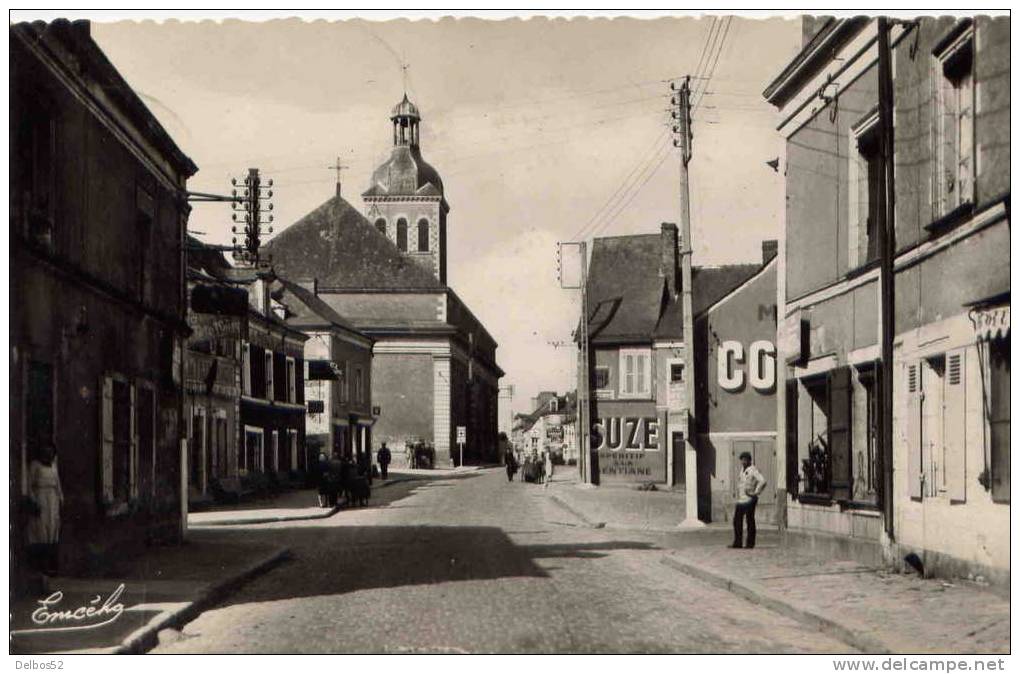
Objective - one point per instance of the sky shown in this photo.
(543, 131)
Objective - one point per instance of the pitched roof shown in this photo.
(305, 308)
(709, 284)
(339, 246)
(625, 290)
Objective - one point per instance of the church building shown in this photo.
(434, 363)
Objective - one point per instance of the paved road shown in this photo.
(475, 564)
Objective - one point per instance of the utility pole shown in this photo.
(887, 253)
(584, 401)
(250, 198)
(682, 115)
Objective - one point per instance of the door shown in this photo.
(763, 455)
(679, 460)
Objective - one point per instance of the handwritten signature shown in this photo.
(51, 618)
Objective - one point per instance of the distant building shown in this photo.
(338, 375)
(639, 365)
(942, 489)
(543, 429)
(434, 363)
(97, 230)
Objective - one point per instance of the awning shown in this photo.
(990, 322)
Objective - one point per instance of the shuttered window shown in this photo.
(998, 412)
(246, 368)
(792, 454)
(955, 426)
(840, 399)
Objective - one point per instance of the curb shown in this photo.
(145, 638)
(757, 594)
(291, 518)
(576, 513)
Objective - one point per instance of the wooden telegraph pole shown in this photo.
(682, 128)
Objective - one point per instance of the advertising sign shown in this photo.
(631, 447)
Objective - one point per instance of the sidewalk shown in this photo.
(289, 506)
(871, 609)
(163, 587)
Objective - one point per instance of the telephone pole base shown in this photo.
(691, 523)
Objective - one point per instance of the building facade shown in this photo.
(97, 228)
(948, 468)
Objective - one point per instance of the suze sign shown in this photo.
(622, 434)
(757, 367)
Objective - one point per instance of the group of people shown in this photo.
(534, 469)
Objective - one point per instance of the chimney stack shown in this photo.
(769, 249)
(669, 267)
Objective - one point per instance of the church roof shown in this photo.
(405, 108)
(405, 173)
(338, 246)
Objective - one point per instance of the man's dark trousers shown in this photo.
(384, 469)
(744, 510)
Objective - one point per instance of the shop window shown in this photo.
(402, 234)
(380, 224)
(636, 365)
(814, 451)
(423, 235)
(953, 78)
(866, 169)
(998, 413)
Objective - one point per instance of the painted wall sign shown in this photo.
(758, 368)
(627, 434)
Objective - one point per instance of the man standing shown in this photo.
(751, 484)
(384, 460)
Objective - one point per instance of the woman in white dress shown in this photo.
(44, 490)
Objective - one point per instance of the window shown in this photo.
(197, 455)
(252, 456)
(402, 234)
(936, 426)
(423, 235)
(380, 224)
(119, 448)
(291, 381)
(358, 384)
(270, 393)
(866, 168)
(676, 373)
(813, 437)
(220, 464)
(38, 407)
(998, 413)
(636, 366)
(601, 377)
(867, 415)
(345, 382)
(37, 145)
(292, 446)
(953, 79)
(275, 453)
(145, 425)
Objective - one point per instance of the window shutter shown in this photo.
(133, 435)
(913, 426)
(839, 431)
(792, 455)
(106, 452)
(246, 368)
(956, 425)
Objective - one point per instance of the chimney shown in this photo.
(669, 267)
(769, 249)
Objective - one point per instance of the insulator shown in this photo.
(269, 207)
(234, 193)
(269, 182)
(270, 218)
(270, 230)
(676, 142)
(675, 114)
(270, 194)
(676, 129)
(675, 100)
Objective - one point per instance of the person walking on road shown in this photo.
(511, 466)
(751, 484)
(384, 460)
(548, 470)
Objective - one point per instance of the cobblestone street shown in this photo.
(474, 564)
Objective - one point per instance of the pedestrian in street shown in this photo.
(384, 460)
(751, 484)
(511, 466)
(47, 497)
(324, 480)
(409, 455)
(548, 470)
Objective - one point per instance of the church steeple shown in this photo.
(405, 120)
(406, 201)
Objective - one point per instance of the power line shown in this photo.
(718, 53)
(623, 205)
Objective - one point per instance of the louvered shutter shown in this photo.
(912, 423)
(106, 439)
(956, 425)
(133, 436)
(839, 431)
